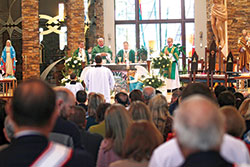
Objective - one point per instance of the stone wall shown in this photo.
(75, 24)
(238, 19)
(99, 18)
(96, 25)
(30, 36)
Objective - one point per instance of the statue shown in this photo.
(244, 50)
(218, 19)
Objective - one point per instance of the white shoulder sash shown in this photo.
(54, 155)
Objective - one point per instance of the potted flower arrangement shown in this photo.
(72, 64)
(153, 81)
(163, 63)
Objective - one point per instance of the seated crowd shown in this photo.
(55, 127)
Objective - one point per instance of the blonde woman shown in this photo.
(141, 139)
(140, 111)
(245, 112)
(158, 106)
(94, 101)
(117, 120)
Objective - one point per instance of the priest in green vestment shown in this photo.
(172, 52)
(125, 54)
(102, 50)
(82, 53)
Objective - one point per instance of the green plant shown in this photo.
(142, 53)
(71, 65)
(180, 48)
(163, 63)
(153, 81)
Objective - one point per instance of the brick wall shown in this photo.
(30, 37)
(75, 24)
(238, 19)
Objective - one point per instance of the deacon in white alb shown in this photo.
(100, 79)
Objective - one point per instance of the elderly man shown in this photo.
(199, 130)
(172, 52)
(101, 50)
(200, 137)
(33, 111)
(148, 93)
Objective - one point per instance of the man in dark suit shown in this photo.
(33, 111)
(66, 100)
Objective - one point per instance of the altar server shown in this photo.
(100, 79)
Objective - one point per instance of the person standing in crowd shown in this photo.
(81, 97)
(101, 50)
(100, 79)
(125, 54)
(141, 139)
(172, 52)
(148, 93)
(33, 111)
(82, 53)
(91, 141)
(117, 121)
(66, 101)
(8, 59)
(200, 137)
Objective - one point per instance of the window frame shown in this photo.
(183, 20)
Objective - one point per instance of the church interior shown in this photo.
(144, 83)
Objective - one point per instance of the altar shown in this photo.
(123, 73)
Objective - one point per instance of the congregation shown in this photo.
(199, 127)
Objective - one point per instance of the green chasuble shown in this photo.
(122, 54)
(174, 51)
(97, 49)
(86, 53)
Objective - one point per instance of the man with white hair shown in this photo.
(200, 136)
(101, 50)
(173, 80)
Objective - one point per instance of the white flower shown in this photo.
(75, 61)
(153, 80)
(73, 66)
(79, 64)
(163, 66)
(149, 83)
(160, 58)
